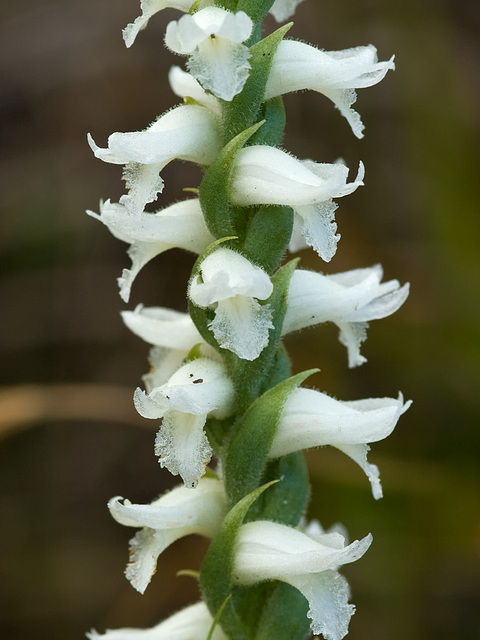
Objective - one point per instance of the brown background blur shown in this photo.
(71, 439)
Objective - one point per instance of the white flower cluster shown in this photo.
(182, 391)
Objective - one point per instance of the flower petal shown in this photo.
(283, 9)
(150, 8)
(241, 325)
(327, 594)
(192, 623)
(182, 446)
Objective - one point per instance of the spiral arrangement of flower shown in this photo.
(220, 386)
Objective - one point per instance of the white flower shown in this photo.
(191, 623)
(283, 9)
(173, 335)
(180, 225)
(336, 74)
(348, 299)
(198, 389)
(266, 175)
(176, 514)
(271, 551)
(212, 38)
(311, 419)
(232, 285)
(150, 8)
(187, 132)
(184, 85)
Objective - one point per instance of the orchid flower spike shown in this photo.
(266, 175)
(212, 38)
(187, 132)
(312, 419)
(180, 225)
(271, 551)
(150, 8)
(176, 514)
(336, 74)
(232, 285)
(350, 300)
(192, 623)
(198, 389)
(281, 10)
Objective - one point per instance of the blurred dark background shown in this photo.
(70, 437)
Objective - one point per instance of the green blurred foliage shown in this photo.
(64, 71)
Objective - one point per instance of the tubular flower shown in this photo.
(176, 514)
(191, 623)
(271, 551)
(233, 285)
(336, 74)
(150, 8)
(180, 225)
(212, 38)
(350, 300)
(187, 132)
(312, 419)
(199, 388)
(266, 175)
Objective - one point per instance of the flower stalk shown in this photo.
(220, 386)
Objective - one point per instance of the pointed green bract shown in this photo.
(220, 215)
(217, 567)
(244, 110)
(252, 439)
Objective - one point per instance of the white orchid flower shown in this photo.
(180, 225)
(350, 300)
(192, 623)
(266, 175)
(150, 8)
(173, 335)
(283, 9)
(336, 74)
(187, 132)
(233, 285)
(271, 551)
(212, 38)
(184, 85)
(196, 390)
(177, 513)
(312, 419)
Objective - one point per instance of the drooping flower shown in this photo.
(271, 551)
(266, 175)
(177, 513)
(283, 9)
(336, 74)
(350, 300)
(187, 132)
(312, 419)
(212, 38)
(197, 389)
(150, 8)
(233, 285)
(192, 623)
(180, 225)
